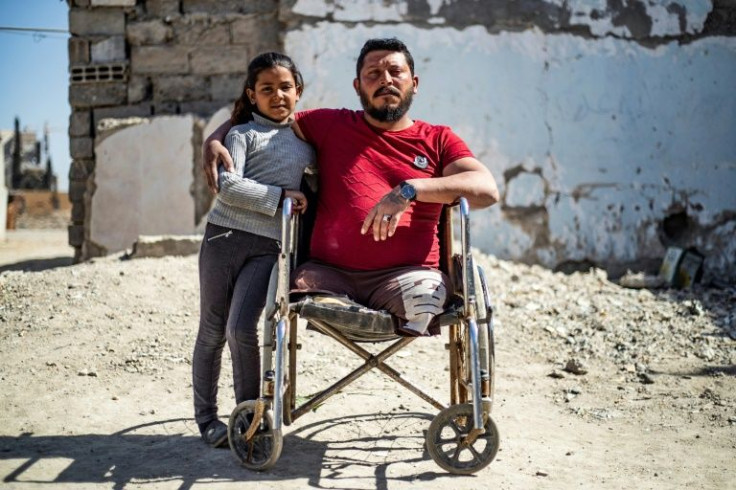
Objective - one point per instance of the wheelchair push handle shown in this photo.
(287, 206)
(289, 222)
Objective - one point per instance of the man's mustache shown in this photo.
(387, 91)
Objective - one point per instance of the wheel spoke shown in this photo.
(442, 442)
(456, 455)
(243, 420)
(476, 455)
(262, 436)
(454, 425)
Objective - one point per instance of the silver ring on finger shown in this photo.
(386, 218)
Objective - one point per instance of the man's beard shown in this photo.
(387, 113)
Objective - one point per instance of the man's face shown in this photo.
(385, 86)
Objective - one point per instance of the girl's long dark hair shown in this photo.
(243, 111)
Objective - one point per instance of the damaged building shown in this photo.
(609, 125)
(26, 162)
(27, 175)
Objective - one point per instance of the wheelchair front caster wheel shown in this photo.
(263, 450)
(448, 444)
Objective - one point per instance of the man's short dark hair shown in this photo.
(384, 44)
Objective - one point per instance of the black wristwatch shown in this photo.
(407, 191)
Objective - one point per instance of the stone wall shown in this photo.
(608, 123)
(147, 59)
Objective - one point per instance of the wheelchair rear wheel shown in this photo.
(264, 448)
(447, 441)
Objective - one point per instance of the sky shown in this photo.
(34, 78)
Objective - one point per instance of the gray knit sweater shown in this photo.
(268, 157)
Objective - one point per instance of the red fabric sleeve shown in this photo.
(315, 124)
(453, 148)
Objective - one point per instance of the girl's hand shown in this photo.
(298, 201)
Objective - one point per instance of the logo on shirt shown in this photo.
(420, 161)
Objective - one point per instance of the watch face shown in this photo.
(408, 192)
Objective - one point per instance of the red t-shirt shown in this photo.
(358, 164)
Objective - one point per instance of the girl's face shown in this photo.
(275, 93)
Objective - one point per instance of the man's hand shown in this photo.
(213, 152)
(384, 217)
(298, 201)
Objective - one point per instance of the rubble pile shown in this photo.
(585, 316)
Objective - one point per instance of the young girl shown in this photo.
(240, 244)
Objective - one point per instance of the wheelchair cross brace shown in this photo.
(371, 361)
(284, 316)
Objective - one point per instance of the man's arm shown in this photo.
(298, 131)
(213, 151)
(466, 177)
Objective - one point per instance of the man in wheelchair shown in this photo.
(384, 182)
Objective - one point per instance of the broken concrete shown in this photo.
(166, 245)
(142, 183)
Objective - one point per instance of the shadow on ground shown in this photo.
(161, 453)
(712, 371)
(36, 265)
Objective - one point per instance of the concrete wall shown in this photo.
(144, 180)
(609, 124)
(152, 192)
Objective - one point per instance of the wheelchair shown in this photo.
(462, 438)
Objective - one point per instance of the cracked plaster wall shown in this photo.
(609, 125)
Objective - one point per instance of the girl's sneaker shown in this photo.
(214, 434)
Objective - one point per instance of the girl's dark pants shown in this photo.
(234, 270)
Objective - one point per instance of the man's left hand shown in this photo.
(384, 217)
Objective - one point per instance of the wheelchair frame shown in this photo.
(255, 426)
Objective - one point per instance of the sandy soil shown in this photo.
(95, 386)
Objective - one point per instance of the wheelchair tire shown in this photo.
(262, 452)
(445, 441)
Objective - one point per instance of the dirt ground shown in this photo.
(95, 385)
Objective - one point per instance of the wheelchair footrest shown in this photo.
(353, 320)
